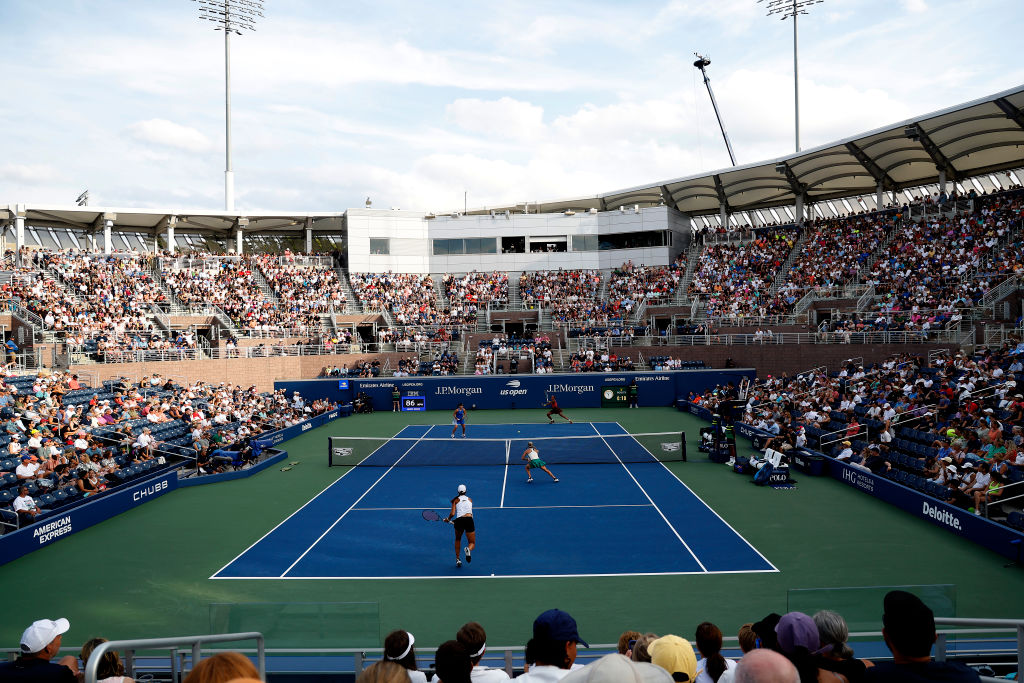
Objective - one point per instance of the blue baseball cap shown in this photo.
(557, 625)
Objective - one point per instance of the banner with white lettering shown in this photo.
(59, 524)
(956, 520)
(582, 390)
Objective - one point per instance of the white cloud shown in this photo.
(29, 174)
(169, 134)
(915, 6)
(505, 117)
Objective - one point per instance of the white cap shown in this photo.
(41, 633)
(462, 488)
(615, 668)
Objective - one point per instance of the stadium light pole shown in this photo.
(785, 9)
(231, 16)
(701, 63)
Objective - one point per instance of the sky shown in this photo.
(427, 105)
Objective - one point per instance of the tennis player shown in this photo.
(459, 419)
(533, 462)
(462, 512)
(555, 410)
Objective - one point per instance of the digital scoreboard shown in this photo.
(414, 403)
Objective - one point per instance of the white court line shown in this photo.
(526, 507)
(738, 534)
(508, 445)
(320, 538)
(297, 511)
(647, 495)
(471, 576)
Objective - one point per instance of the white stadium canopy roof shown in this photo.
(971, 139)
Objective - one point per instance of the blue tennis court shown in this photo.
(617, 510)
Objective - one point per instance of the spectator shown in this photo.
(109, 669)
(26, 507)
(383, 672)
(223, 667)
(40, 643)
(709, 644)
(836, 654)
(451, 661)
(639, 652)
(908, 627)
(675, 655)
(615, 668)
(398, 647)
(765, 666)
(626, 642)
(748, 642)
(474, 639)
(554, 643)
(798, 640)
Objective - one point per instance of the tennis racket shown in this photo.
(432, 516)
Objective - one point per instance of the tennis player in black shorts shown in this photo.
(555, 410)
(462, 512)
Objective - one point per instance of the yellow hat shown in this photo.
(674, 655)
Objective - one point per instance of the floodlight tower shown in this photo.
(785, 9)
(231, 16)
(702, 62)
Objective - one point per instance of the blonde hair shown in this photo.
(222, 667)
(109, 664)
(384, 672)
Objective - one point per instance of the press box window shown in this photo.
(584, 242)
(380, 245)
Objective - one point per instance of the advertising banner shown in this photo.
(60, 524)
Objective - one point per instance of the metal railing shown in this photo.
(195, 643)
(977, 626)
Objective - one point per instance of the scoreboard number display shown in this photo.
(417, 403)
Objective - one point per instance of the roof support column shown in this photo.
(942, 181)
(19, 226)
(799, 209)
(880, 196)
(240, 224)
(723, 215)
(108, 226)
(309, 235)
(171, 244)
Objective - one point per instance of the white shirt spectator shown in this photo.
(27, 469)
(24, 504)
(543, 674)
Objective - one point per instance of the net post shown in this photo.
(330, 451)
(682, 445)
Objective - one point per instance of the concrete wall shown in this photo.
(411, 238)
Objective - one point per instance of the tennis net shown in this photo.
(608, 449)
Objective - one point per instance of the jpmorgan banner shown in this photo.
(520, 391)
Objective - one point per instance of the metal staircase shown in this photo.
(782, 275)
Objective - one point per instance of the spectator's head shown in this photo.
(747, 637)
(42, 639)
(908, 626)
(765, 631)
(709, 643)
(452, 662)
(555, 639)
(474, 639)
(384, 672)
(398, 647)
(765, 666)
(675, 655)
(626, 642)
(615, 668)
(833, 634)
(221, 668)
(109, 664)
(640, 652)
(797, 634)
